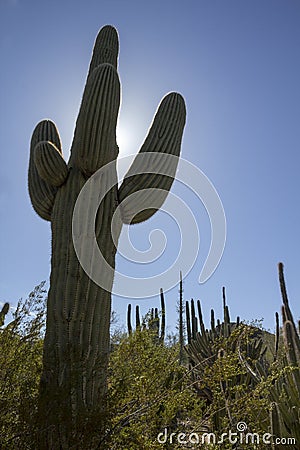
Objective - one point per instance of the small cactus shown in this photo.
(153, 320)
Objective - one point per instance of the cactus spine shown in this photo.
(76, 347)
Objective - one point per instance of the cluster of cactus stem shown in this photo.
(155, 320)
(196, 329)
(285, 392)
(76, 345)
(206, 345)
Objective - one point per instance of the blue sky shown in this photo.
(237, 65)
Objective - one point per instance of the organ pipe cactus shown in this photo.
(193, 322)
(285, 393)
(76, 346)
(154, 322)
(207, 347)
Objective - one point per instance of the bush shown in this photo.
(148, 392)
(20, 368)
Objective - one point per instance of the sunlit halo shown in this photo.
(124, 140)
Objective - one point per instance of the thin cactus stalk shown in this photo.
(137, 318)
(212, 321)
(276, 421)
(154, 324)
(152, 316)
(129, 326)
(163, 317)
(188, 322)
(152, 320)
(3, 313)
(201, 323)
(193, 320)
(180, 324)
(226, 314)
(76, 346)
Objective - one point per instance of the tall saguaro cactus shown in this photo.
(76, 347)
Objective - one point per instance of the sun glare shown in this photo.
(124, 140)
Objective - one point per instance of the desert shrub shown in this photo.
(20, 368)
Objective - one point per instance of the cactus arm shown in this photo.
(94, 144)
(164, 138)
(106, 48)
(50, 164)
(41, 192)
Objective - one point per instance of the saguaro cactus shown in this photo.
(76, 347)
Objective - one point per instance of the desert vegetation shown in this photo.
(67, 382)
(231, 372)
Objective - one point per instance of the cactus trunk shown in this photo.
(76, 344)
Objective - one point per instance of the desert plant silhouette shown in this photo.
(76, 347)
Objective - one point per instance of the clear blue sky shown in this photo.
(237, 65)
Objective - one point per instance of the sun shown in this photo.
(124, 140)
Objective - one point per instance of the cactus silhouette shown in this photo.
(3, 313)
(285, 392)
(207, 346)
(151, 321)
(76, 346)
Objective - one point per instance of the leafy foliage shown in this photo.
(232, 373)
(20, 368)
(149, 391)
